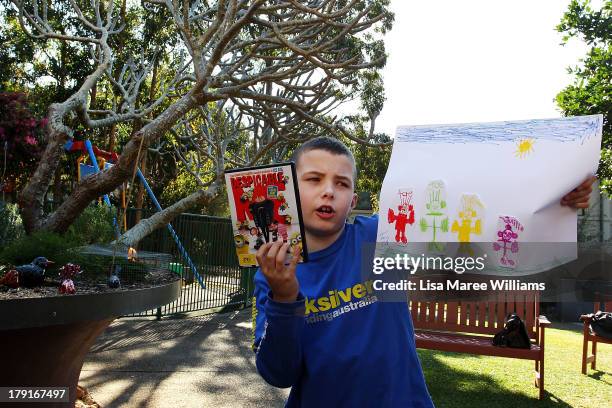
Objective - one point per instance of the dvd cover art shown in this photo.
(265, 207)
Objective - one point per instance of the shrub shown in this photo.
(93, 226)
(22, 133)
(53, 246)
(11, 227)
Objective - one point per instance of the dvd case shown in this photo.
(264, 204)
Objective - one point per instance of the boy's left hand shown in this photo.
(579, 197)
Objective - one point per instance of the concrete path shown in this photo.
(191, 362)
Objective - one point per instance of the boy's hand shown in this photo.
(280, 277)
(579, 197)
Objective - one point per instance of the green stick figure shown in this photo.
(435, 219)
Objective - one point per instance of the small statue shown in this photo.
(33, 274)
(67, 273)
(113, 279)
(67, 287)
(10, 279)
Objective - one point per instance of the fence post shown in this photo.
(246, 283)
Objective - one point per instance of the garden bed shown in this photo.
(86, 286)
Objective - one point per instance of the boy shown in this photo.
(317, 329)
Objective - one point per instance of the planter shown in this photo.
(44, 340)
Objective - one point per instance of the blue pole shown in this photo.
(172, 232)
(94, 161)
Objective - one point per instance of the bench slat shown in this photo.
(493, 316)
(413, 311)
(530, 322)
(431, 318)
(482, 314)
(477, 317)
(422, 311)
(451, 313)
(501, 309)
(471, 344)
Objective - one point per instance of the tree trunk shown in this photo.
(108, 180)
(112, 138)
(31, 199)
(160, 219)
(93, 96)
(57, 187)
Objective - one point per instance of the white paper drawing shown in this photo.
(517, 168)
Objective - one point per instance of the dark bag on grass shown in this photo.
(601, 324)
(513, 335)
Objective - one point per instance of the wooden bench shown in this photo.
(605, 305)
(469, 327)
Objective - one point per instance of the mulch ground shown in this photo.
(86, 286)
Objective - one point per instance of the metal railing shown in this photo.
(209, 243)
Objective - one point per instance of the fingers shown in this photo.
(282, 279)
(281, 256)
(579, 197)
(266, 255)
(271, 257)
(581, 205)
(578, 202)
(262, 252)
(273, 252)
(296, 257)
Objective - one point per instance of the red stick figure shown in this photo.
(405, 216)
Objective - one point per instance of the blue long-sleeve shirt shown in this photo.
(338, 345)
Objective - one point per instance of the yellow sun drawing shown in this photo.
(524, 147)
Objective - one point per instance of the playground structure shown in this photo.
(107, 159)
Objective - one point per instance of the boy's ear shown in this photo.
(354, 201)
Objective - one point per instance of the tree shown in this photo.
(20, 140)
(591, 92)
(276, 70)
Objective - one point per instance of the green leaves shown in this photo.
(582, 21)
(591, 92)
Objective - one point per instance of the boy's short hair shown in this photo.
(329, 144)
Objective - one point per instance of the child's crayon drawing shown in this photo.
(470, 218)
(517, 168)
(435, 218)
(404, 216)
(524, 147)
(471, 214)
(507, 243)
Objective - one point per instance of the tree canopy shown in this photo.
(591, 91)
(199, 85)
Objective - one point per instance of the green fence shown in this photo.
(210, 245)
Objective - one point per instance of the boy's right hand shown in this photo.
(281, 278)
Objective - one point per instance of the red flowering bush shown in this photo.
(21, 139)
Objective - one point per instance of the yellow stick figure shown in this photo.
(469, 221)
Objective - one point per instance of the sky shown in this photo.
(475, 61)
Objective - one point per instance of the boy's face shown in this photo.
(326, 191)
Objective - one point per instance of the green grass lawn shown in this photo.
(464, 380)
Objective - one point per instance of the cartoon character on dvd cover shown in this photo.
(264, 208)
